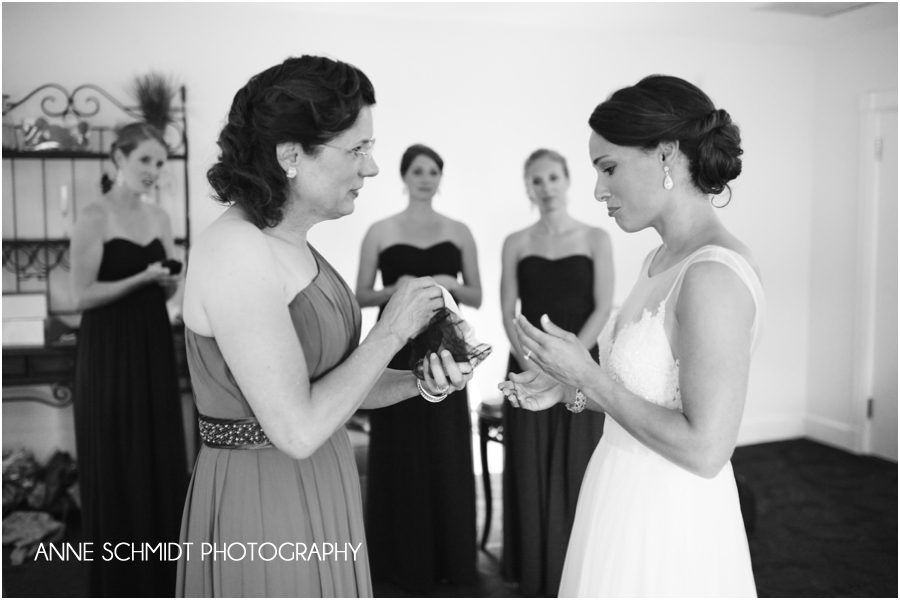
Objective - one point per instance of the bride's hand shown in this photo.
(556, 351)
(532, 390)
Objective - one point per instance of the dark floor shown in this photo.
(825, 525)
(826, 520)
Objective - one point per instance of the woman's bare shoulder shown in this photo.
(730, 242)
(95, 209)
(517, 239)
(459, 231)
(157, 213)
(382, 229)
(231, 238)
(92, 219)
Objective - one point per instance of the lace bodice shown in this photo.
(635, 346)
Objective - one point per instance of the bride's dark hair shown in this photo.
(662, 108)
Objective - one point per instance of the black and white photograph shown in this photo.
(450, 299)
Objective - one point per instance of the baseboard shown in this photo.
(773, 429)
(831, 432)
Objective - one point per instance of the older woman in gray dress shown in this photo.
(273, 345)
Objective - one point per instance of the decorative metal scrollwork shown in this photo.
(87, 100)
(59, 396)
(34, 259)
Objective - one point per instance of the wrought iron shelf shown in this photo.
(26, 242)
(35, 258)
(66, 155)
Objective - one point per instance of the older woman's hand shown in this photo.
(555, 351)
(411, 308)
(532, 390)
(444, 374)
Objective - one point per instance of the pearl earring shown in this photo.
(667, 180)
(120, 178)
(291, 172)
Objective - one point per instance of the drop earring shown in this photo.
(120, 178)
(667, 180)
(291, 172)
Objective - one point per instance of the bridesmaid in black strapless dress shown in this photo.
(547, 452)
(561, 268)
(421, 486)
(128, 419)
(420, 503)
(128, 422)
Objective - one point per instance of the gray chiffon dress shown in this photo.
(255, 495)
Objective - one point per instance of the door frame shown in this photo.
(871, 106)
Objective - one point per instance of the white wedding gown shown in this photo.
(645, 526)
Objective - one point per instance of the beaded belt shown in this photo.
(233, 434)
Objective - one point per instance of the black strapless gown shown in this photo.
(420, 505)
(128, 424)
(546, 453)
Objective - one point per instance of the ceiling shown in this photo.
(795, 23)
(815, 9)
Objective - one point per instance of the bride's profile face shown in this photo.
(547, 184)
(629, 181)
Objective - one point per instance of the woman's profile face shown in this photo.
(629, 181)
(547, 184)
(141, 169)
(328, 182)
(422, 178)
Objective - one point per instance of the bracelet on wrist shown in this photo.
(428, 395)
(577, 405)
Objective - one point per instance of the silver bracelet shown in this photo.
(580, 402)
(428, 395)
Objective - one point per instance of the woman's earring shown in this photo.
(667, 180)
(291, 172)
(120, 178)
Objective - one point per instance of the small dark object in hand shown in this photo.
(173, 265)
(446, 332)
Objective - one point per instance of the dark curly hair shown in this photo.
(309, 100)
(417, 150)
(662, 108)
(127, 139)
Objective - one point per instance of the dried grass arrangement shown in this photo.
(155, 94)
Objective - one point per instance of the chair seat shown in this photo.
(492, 412)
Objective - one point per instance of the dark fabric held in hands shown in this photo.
(444, 332)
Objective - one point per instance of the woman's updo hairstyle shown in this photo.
(661, 108)
(308, 100)
(417, 150)
(545, 153)
(127, 139)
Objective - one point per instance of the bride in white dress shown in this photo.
(658, 513)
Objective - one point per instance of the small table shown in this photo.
(490, 429)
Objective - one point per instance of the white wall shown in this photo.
(845, 70)
(485, 92)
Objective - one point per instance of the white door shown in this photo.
(884, 376)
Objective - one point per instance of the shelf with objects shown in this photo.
(56, 147)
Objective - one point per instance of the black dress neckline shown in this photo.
(420, 248)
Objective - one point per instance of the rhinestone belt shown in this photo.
(233, 434)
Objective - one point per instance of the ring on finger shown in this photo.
(528, 355)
